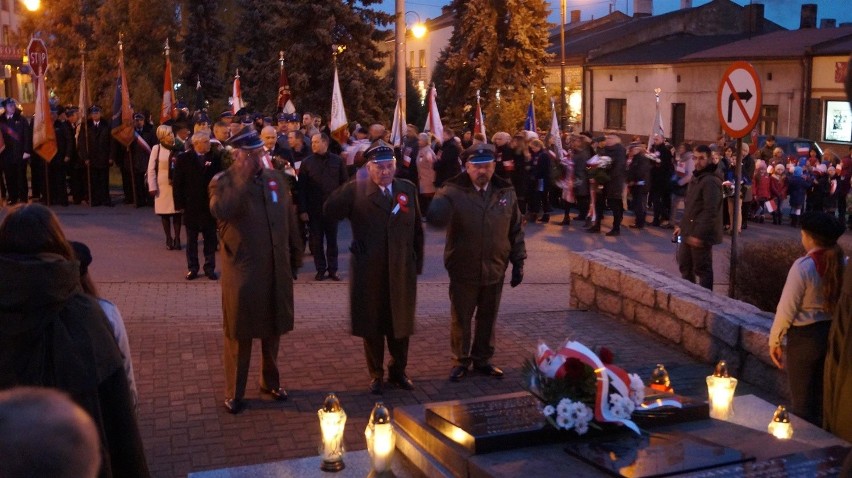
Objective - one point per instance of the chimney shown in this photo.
(685, 4)
(575, 16)
(753, 17)
(809, 16)
(845, 24)
(827, 23)
(643, 8)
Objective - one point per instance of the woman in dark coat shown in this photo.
(797, 187)
(53, 335)
(538, 183)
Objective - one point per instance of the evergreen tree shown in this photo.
(496, 46)
(203, 47)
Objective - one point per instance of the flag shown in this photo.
(399, 125)
(237, 95)
(554, 132)
(284, 103)
(44, 136)
(122, 115)
(529, 124)
(479, 120)
(338, 123)
(83, 103)
(433, 117)
(167, 108)
(199, 96)
(658, 124)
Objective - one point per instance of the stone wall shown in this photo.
(705, 325)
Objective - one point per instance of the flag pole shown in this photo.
(46, 161)
(128, 160)
(84, 125)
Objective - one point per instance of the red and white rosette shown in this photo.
(401, 203)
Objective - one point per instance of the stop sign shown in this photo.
(37, 54)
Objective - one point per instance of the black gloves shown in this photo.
(517, 275)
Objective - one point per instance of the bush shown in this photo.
(762, 271)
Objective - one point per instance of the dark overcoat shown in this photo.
(191, 178)
(260, 248)
(837, 414)
(387, 254)
(17, 136)
(94, 146)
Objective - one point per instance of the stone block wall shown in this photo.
(705, 325)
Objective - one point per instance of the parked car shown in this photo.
(793, 147)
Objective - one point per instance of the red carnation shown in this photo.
(574, 369)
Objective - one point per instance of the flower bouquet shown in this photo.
(581, 389)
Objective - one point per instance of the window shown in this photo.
(768, 123)
(422, 58)
(411, 58)
(616, 113)
(4, 40)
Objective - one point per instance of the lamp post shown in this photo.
(399, 43)
(562, 7)
(32, 5)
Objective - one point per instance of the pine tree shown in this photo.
(203, 47)
(496, 46)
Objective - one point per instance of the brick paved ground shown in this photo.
(175, 334)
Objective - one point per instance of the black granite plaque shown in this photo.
(822, 462)
(654, 455)
(494, 423)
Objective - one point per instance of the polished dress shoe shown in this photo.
(613, 233)
(170, 244)
(489, 369)
(212, 275)
(376, 386)
(234, 406)
(334, 276)
(191, 275)
(176, 245)
(278, 394)
(457, 373)
(320, 276)
(402, 382)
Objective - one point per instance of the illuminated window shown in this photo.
(422, 58)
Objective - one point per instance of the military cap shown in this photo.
(60, 109)
(247, 119)
(202, 118)
(226, 114)
(289, 117)
(138, 116)
(246, 138)
(181, 105)
(480, 153)
(257, 116)
(241, 112)
(94, 109)
(267, 119)
(71, 109)
(8, 101)
(379, 151)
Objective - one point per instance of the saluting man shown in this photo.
(484, 234)
(387, 256)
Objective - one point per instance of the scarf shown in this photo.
(818, 256)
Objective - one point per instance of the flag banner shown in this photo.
(479, 120)
(399, 125)
(529, 123)
(657, 129)
(44, 135)
(433, 117)
(237, 95)
(83, 102)
(554, 131)
(167, 108)
(285, 105)
(338, 123)
(122, 115)
(199, 97)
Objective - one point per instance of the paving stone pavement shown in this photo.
(175, 336)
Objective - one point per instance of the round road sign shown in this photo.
(37, 55)
(739, 99)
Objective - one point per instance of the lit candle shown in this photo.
(332, 422)
(780, 426)
(660, 379)
(720, 390)
(380, 439)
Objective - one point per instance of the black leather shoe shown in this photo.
(170, 244)
(191, 275)
(614, 232)
(457, 373)
(594, 229)
(176, 244)
(334, 276)
(212, 275)
(636, 226)
(320, 276)
(278, 394)
(489, 369)
(403, 382)
(376, 386)
(234, 406)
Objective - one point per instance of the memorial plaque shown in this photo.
(494, 423)
(655, 455)
(822, 462)
(692, 410)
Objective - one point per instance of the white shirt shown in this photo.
(389, 189)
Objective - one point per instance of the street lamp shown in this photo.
(418, 30)
(32, 5)
(562, 7)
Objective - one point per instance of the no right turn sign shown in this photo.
(739, 99)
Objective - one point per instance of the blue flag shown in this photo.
(529, 124)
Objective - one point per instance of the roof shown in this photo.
(665, 50)
(781, 44)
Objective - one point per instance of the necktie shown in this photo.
(482, 193)
(387, 196)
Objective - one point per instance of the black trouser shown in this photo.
(465, 300)
(237, 358)
(126, 181)
(210, 242)
(325, 252)
(696, 261)
(538, 200)
(57, 183)
(37, 172)
(142, 196)
(582, 203)
(79, 184)
(16, 181)
(100, 187)
(374, 352)
(661, 201)
(639, 196)
(806, 349)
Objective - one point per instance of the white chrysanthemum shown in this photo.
(619, 406)
(637, 389)
(580, 412)
(581, 427)
(564, 407)
(549, 410)
(565, 422)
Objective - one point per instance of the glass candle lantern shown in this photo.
(332, 420)
(380, 439)
(780, 426)
(720, 390)
(660, 381)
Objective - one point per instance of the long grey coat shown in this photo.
(260, 248)
(387, 255)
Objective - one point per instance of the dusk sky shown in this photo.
(783, 12)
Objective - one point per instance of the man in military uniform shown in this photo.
(484, 234)
(94, 149)
(387, 256)
(260, 248)
(17, 139)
